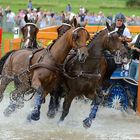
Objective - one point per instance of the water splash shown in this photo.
(109, 124)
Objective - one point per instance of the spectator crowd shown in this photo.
(8, 19)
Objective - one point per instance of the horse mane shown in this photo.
(53, 42)
(91, 41)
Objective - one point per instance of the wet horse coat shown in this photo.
(87, 78)
(17, 99)
(43, 70)
(29, 41)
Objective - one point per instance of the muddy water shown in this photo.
(109, 125)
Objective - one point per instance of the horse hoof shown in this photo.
(87, 123)
(28, 119)
(35, 115)
(9, 110)
(60, 123)
(51, 114)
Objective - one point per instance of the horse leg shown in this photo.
(10, 109)
(35, 114)
(94, 108)
(55, 97)
(52, 106)
(16, 102)
(4, 82)
(88, 121)
(66, 105)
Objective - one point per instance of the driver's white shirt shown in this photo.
(126, 33)
(134, 39)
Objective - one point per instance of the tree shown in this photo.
(133, 3)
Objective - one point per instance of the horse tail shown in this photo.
(3, 60)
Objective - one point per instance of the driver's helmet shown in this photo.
(120, 16)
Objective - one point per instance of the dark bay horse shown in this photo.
(29, 32)
(87, 78)
(29, 39)
(41, 72)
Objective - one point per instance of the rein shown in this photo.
(76, 30)
(82, 74)
(32, 39)
(54, 67)
(109, 57)
(57, 68)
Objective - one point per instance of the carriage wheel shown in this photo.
(117, 97)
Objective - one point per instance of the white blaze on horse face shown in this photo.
(28, 36)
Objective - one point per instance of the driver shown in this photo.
(123, 31)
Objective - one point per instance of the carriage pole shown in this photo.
(0, 42)
(138, 95)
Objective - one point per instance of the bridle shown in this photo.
(75, 32)
(31, 38)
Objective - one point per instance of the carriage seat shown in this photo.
(117, 74)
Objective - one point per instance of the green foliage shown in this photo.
(133, 3)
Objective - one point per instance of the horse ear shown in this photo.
(72, 20)
(26, 19)
(108, 26)
(113, 26)
(75, 22)
(36, 19)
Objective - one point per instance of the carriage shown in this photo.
(122, 92)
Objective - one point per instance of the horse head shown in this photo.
(66, 25)
(29, 19)
(112, 41)
(29, 32)
(82, 52)
(63, 28)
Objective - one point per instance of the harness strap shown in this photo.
(31, 56)
(53, 68)
(83, 75)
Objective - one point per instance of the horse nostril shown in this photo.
(82, 55)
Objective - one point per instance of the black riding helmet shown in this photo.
(120, 16)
